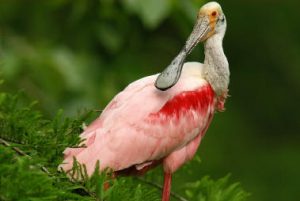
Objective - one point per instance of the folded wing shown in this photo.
(142, 124)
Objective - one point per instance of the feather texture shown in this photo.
(142, 125)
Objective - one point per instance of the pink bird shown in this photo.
(161, 119)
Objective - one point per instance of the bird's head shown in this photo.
(210, 21)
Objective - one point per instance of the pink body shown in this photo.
(142, 125)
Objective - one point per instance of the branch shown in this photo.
(43, 168)
(22, 153)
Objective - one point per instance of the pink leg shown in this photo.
(167, 186)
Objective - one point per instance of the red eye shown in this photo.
(214, 13)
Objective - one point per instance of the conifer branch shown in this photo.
(43, 168)
(16, 149)
(22, 153)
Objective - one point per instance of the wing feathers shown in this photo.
(142, 124)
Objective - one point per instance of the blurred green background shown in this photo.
(79, 54)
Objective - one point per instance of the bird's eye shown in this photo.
(214, 13)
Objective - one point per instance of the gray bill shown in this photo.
(170, 76)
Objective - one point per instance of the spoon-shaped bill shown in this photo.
(171, 74)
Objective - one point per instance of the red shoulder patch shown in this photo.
(198, 100)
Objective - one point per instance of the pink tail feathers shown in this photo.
(167, 186)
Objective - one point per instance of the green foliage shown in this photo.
(37, 136)
(207, 189)
(22, 180)
(31, 149)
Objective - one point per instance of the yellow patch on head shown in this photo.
(212, 10)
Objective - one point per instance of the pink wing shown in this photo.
(142, 124)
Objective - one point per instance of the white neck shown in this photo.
(216, 67)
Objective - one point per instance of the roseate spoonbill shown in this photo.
(144, 125)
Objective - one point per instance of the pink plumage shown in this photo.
(143, 124)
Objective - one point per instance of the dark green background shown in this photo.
(79, 54)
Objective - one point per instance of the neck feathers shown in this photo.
(216, 67)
